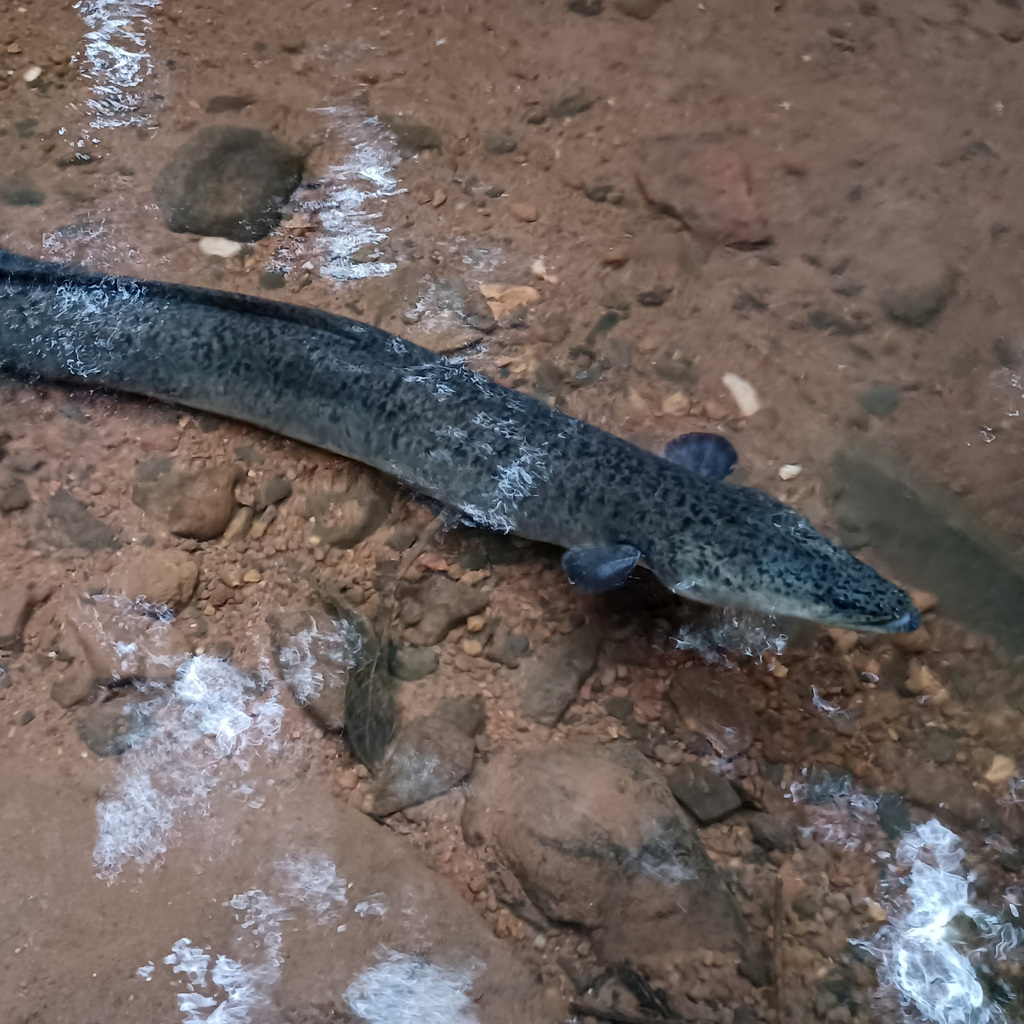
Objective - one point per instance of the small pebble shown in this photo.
(675, 404)
(32, 73)
(473, 648)
(790, 471)
(1001, 769)
(252, 576)
(875, 911)
(525, 212)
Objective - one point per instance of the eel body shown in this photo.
(504, 459)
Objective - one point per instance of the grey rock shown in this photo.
(343, 519)
(229, 182)
(467, 714)
(551, 681)
(893, 815)
(402, 537)
(500, 144)
(656, 297)
(228, 104)
(75, 685)
(704, 793)
(917, 286)
(110, 729)
(806, 906)
(272, 492)
(410, 611)
(949, 792)
(83, 529)
(939, 745)
(152, 469)
(14, 496)
(429, 757)
(773, 832)
(412, 663)
(196, 504)
(26, 460)
(595, 838)
(508, 649)
(931, 541)
(1009, 352)
(620, 708)
(639, 9)
(834, 323)
(272, 280)
(21, 190)
(881, 399)
(446, 604)
(411, 137)
(747, 1014)
(572, 103)
(316, 654)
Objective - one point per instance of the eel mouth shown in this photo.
(906, 623)
(909, 621)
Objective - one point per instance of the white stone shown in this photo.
(743, 394)
(222, 247)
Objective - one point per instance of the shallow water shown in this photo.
(865, 290)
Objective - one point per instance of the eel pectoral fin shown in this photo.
(600, 567)
(709, 455)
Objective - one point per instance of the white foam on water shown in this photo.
(349, 197)
(372, 907)
(917, 958)
(404, 989)
(115, 59)
(233, 992)
(99, 242)
(723, 631)
(240, 989)
(838, 813)
(311, 879)
(301, 657)
(205, 726)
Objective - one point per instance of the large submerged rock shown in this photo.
(595, 838)
(228, 182)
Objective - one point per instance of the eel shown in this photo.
(503, 459)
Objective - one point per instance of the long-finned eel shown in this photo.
(504, 459)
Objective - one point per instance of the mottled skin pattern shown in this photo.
(505, 459)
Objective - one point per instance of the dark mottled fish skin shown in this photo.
(505, 459)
